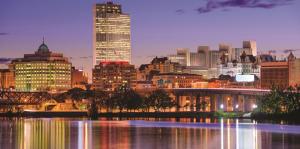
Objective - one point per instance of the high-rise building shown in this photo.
(111, 34)
(42, 71)
(251, 46)
(196, 59)
(182, 57)
(214, 59)
(204, 55)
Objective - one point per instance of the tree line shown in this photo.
(280, 101)
(122, 99)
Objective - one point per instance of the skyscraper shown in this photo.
(111, 34)
(251, 45)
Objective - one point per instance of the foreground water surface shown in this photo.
(62, 133)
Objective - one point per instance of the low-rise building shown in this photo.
(274, 73)
(7, 79)
(79, 78)
(175, 80)
(108, 76)
(294, 71)
(157, 65)
(281, 73)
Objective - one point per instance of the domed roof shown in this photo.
(43, 48)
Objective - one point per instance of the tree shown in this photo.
(147, 104)
(134, 100)
(203, 105)
(100, 98)
(76, 93)
(159, 99)
(119, 97)
(280, 100)
(93, 110)
(61, 97)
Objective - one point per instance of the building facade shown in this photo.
(109, 76)
(111, 34)
(280, 73)
(173, 80)
(157, 65)
(182, 57)
(79, 78)
(274, 74)
(7, 79)
(294, 71)
(42, 71)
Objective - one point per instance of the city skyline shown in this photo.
(153, 32)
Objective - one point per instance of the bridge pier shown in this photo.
(191, 103)
(235, 102)
(212, 103)
(218, 102)
(247, 104)
(231, 99)
(225, 100)
(177, 96)
(198, 103)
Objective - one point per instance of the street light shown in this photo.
(222, 106)
(236, 106)
(254, 106)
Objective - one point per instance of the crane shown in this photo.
(290, 50)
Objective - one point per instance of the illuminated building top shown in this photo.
(111, 35)
(42, 71)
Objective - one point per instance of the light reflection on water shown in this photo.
(80, 133)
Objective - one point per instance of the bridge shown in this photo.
(214, 99)
(187, 99)
(12, 99)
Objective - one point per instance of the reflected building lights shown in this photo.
(228, 133)
(222, 134)
(41, 133)
(237, 134)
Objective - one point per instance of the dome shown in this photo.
(43, 48)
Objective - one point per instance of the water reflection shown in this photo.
(84, 134)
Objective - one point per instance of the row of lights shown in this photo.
(254, 106)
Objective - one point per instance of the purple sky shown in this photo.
(158, 26)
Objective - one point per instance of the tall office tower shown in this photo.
(214, 59)
(251, 45)
(182, 57)
(226, 50)
(111, 34)
(204, 55)
(196, 59)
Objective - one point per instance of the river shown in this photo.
(73, 133)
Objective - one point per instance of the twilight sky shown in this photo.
(158, 26)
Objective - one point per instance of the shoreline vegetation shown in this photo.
(124, 114)
(279, 104)
(258, 116)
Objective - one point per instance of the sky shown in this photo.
(158, 27)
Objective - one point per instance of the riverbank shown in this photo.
(127, 114)
(294, 117)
